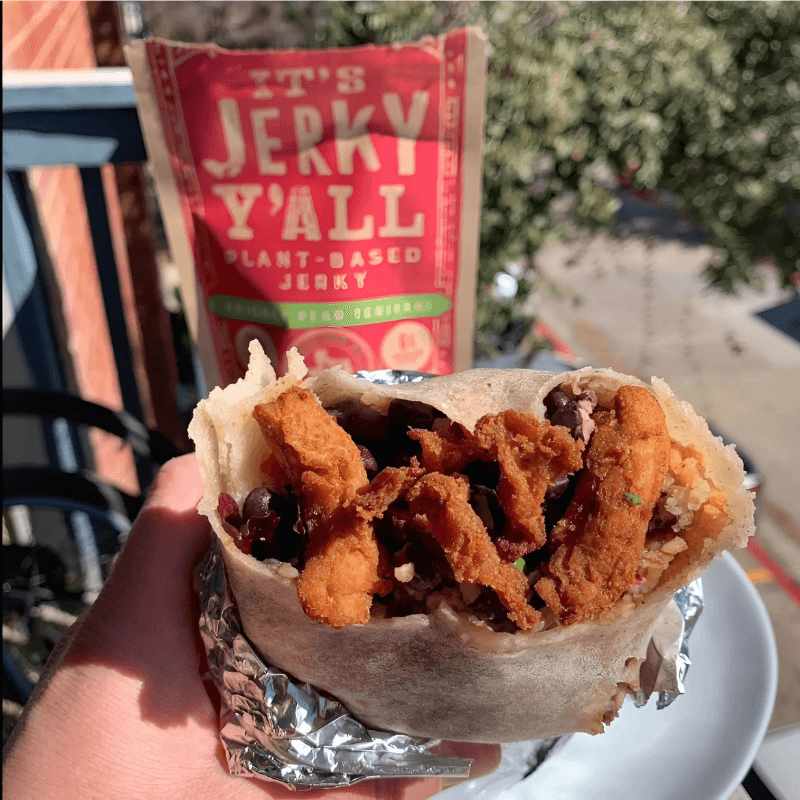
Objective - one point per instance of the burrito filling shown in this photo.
(521, 524)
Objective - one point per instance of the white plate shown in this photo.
(701, 746)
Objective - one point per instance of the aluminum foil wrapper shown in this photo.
(391, 377)
(279, 729)
(667, 660)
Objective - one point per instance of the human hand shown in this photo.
(121, 710)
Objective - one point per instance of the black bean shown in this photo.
(431, 568)
(661, 521)
(664, 519)
(396, 450)
(289, 545)
(556, 507)
(555, 399)
(413, 414)
(489, 608)
(259, 503)
(557, 489)
(340, 410)
(483, 473)
(368, 460)
(569, 416)
(271, 527)
(360, 420)
(283, 539)
(486, 505)
(260, 549)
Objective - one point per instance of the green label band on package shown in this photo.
(296, 316)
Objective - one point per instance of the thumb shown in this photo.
(485, 759)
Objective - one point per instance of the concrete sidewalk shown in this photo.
(641, 306)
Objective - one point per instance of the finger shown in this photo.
(177, 485)
(398, 788)
(168, 537)
(175, 493)
(485, 759)
(144, 623)
(149, 594)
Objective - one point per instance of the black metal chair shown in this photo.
(38, 486)
(81, 490)
(33, 575)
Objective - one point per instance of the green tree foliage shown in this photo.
(702, 99)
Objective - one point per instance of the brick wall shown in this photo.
(56, 35)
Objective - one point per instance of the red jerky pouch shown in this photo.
(326, 200)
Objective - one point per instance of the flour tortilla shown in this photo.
(440, 675)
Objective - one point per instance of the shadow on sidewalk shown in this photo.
(785, 317)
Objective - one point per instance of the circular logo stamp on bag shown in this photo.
(323, 348)
(407, 345)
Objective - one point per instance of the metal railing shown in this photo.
(81, 118)
(86, 119)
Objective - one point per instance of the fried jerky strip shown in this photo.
(440, 505)
(320, 460)
(324, 468)
(532, 455)
(600, 539)
(337, 584)
(448, 450)
(342, 573)
(387, 487)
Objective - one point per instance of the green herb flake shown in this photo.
(520, 564)
(633, 499)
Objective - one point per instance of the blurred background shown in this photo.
(641, 210)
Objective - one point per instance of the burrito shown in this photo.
(476, 557)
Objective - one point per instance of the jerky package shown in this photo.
(326, 200)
